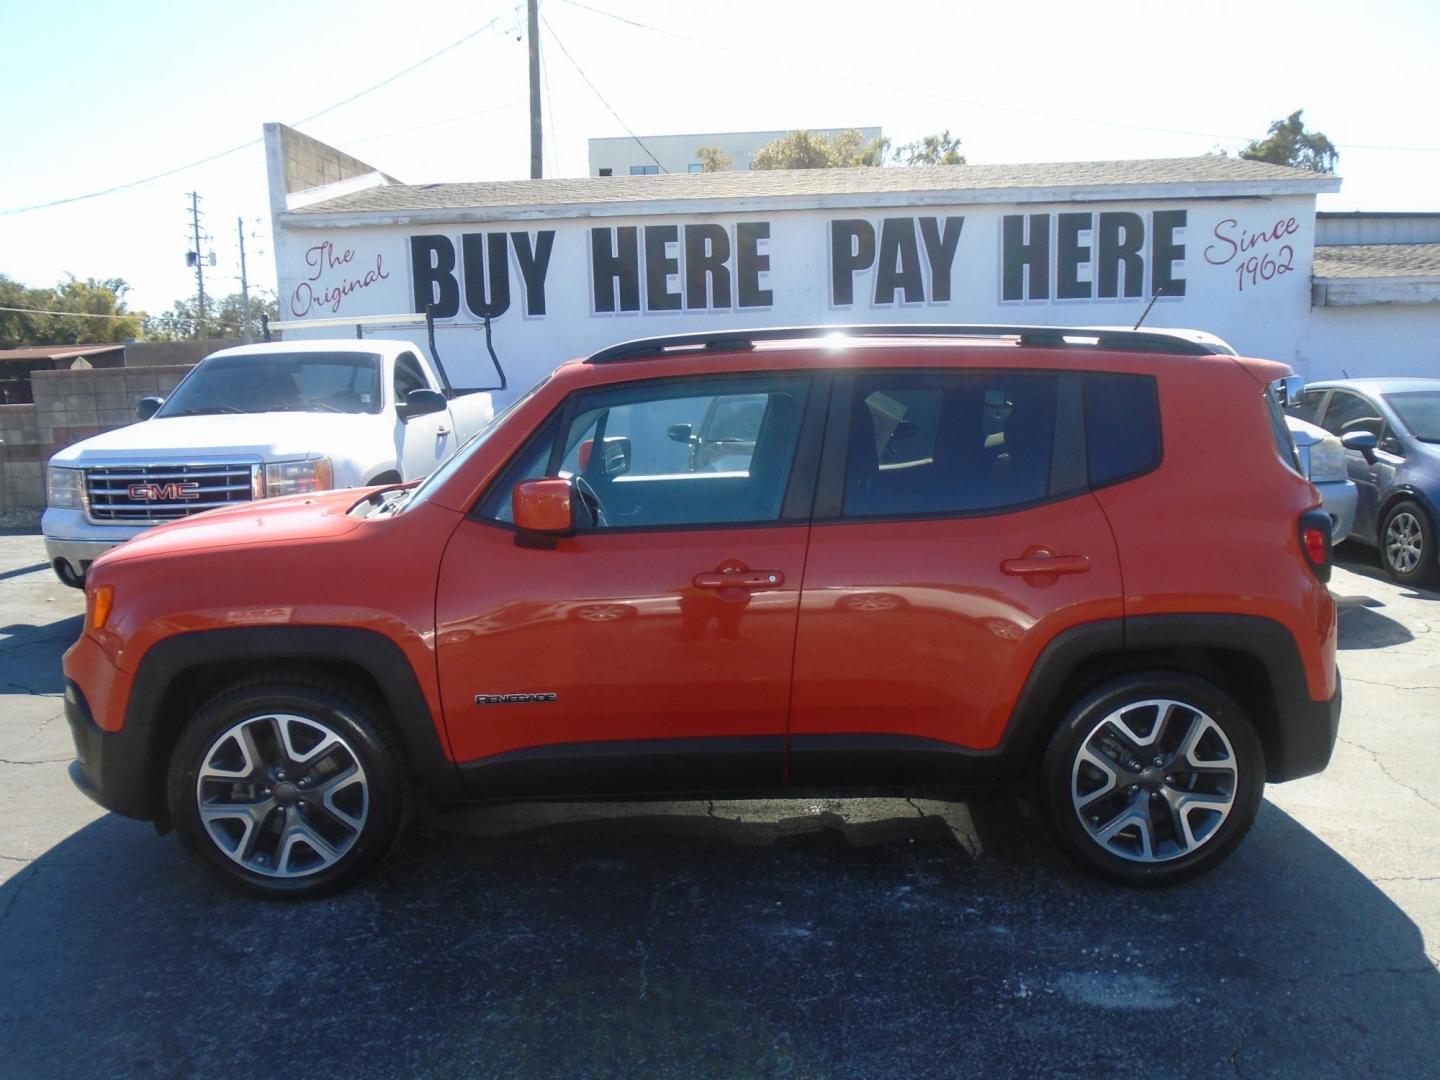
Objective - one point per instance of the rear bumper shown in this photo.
(1309, 729)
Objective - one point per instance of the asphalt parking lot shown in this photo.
(856, 938)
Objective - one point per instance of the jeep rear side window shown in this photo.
(1122, 426)
(963, 443)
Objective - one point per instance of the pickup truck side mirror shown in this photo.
(147, 407)
(545, 507)
(679, 432)
(1363, 441)
(421, 403)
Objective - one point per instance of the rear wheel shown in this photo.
(287, 788)
(1407, 545)
(1152, 779)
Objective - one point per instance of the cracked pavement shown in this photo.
(813, 938)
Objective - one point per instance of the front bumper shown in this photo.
(111, 767)
(1339, 498)
(75, 542)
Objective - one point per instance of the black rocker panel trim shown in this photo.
(631, 767)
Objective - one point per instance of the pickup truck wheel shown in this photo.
(287, 788)
(1407, 544)
(1152, 779)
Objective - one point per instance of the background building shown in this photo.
(627, 156)
(563, 267)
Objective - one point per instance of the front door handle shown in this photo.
(440, 433)
(1042, 562)
(740, 579)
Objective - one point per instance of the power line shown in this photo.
(76, 314)
(918, 92)
(252, 142)
(600, 95)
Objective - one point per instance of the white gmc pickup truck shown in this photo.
(253, 422)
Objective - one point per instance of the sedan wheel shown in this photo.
(1407, 542)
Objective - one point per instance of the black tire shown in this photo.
(378, 796)
(1065, 780)
(1414, 539)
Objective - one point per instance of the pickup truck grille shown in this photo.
(146, 493)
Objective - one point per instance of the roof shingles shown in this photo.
(1377, 260)
(1212, 169)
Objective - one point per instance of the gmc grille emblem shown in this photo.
(174, 492)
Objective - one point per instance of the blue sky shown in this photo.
(103, 94)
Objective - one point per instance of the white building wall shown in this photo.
(1372, 340)
(1257, 298)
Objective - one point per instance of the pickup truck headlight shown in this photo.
(1327, 460)
(299, 477)
(64, 488)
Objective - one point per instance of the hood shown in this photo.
(269, 521)
(226, 436)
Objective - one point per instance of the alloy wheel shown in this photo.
(1154, 780)
(1404, 543)
(282, 795)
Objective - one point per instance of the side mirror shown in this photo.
(147, 407)
(1362, 441)
(680, 432)
(545, 507)
(617, 455)
(421, 403)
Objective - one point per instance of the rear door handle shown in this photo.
(1046, 564)
(748, 579)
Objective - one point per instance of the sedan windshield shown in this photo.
(280, 382)
(1419, 411)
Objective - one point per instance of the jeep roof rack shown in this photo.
(1046, 336)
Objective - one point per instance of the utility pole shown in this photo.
(537, 167)
(199, 259)
(244, 285)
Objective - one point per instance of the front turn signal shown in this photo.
(100, 601)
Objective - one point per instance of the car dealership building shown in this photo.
(564, 267)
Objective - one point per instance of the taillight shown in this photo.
(1315, 541)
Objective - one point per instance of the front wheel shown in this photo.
(287, 788)
(1407, 544)
(1152, 779)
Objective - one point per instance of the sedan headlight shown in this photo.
(298, 477)
(1327, 460)
(64, 488)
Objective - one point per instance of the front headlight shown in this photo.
(1327, 460)
(64, 488)
(298, 477)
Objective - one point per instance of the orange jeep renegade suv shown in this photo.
(898, 559)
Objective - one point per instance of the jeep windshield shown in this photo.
(1419, 410)
(279, 382)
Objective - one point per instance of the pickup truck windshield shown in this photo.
(280, 382)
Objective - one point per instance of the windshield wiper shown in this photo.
(394, 506)
(208, 409)
(303, 407)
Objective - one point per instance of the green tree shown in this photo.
(1290, 144)
(713, 159)
(812, 150)
(89, 297)
(941, 149)
(849, 149)
(222, 317)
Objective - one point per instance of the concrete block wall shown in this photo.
(69, 406)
